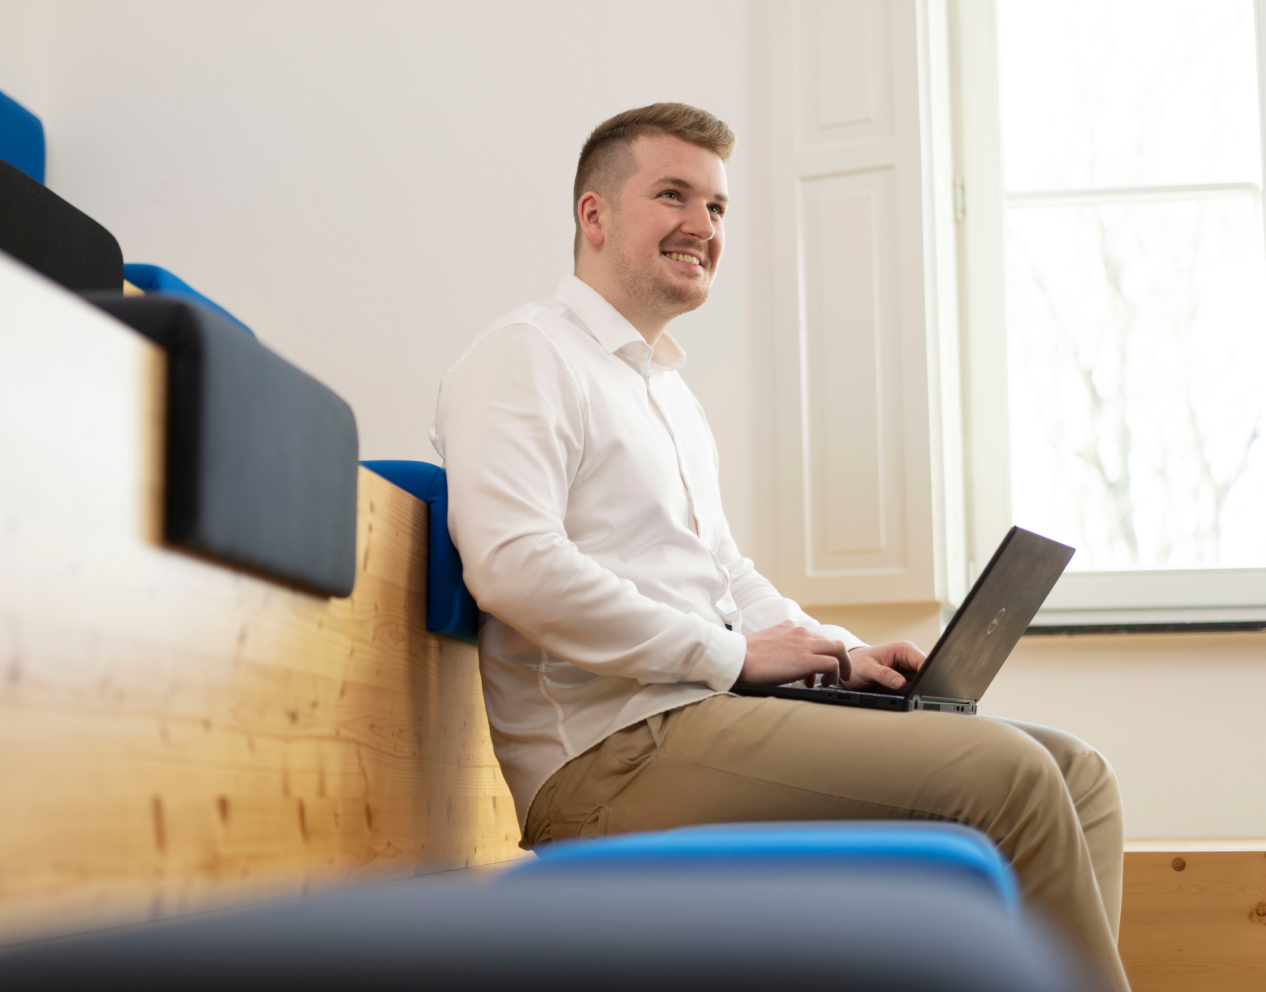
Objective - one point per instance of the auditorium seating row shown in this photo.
(220, 623)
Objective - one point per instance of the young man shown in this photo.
(617, 609)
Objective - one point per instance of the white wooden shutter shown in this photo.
(868, 442)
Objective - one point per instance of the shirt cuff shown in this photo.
(723, 660)
(835, 633)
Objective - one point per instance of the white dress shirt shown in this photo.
(583, 499)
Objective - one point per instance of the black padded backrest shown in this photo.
(41, 229)
(261, 457)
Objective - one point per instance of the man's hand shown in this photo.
(881, 667)
(787, 652)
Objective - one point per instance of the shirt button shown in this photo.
(644, 354)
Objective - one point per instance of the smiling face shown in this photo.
(653, 253)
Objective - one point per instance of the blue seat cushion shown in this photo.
(21, 138)
(450, 609)
(868, 847)
(156, 280)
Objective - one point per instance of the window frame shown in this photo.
(1205, 597)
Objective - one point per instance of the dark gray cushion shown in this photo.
(261, 457)
(676, 932)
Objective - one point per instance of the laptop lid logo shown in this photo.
(996, 620)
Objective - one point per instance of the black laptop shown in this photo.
(980, 636)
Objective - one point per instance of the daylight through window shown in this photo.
(1135, 279)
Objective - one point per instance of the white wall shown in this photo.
(23, 53)
(1178, 715)
(366, 185)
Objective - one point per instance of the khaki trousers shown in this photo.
(1048, 801)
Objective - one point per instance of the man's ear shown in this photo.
(593, 212)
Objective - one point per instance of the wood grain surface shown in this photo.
(175, 734)
(1194, 920)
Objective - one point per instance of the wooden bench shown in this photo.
(175, 734)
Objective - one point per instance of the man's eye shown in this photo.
(717, 209)
(671, 192)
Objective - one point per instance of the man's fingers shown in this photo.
(907, 655)
(873, 670)
(886, 666)
(823, 645)
(828, 668)
(840, 665)
(788, 652)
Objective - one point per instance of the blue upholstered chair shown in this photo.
(618, 932)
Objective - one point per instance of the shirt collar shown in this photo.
(612, 330)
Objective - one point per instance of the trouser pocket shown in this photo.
(633, 745)
(595, 824)
(575, 801)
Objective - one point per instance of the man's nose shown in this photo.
(698, 223)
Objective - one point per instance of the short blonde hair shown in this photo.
(606, 161)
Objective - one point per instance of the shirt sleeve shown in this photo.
(510, 426)
(763, 606)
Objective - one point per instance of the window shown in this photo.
(1116, 299)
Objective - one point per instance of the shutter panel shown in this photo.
(868, 440)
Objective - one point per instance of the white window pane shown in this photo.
(1102, 94)
(1137, 347)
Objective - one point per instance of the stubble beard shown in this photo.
(653, 292)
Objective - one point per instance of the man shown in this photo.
(617, 610)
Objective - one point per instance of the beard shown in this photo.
(654, 291)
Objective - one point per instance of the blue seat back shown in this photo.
(156, 280)
(21, 138)
(450, 609)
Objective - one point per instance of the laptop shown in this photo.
(980, 636)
